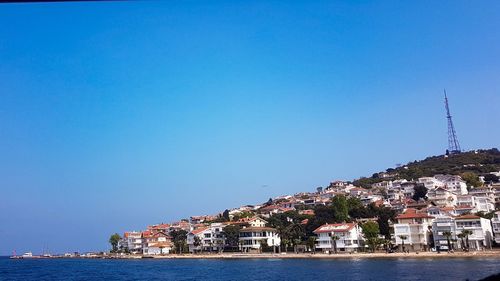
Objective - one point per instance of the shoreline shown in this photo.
(490, 254)
(421, 255)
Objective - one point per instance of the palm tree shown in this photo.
(448, 234)
(403, 238)
(311, 243)
(466, 234)
(197, 243)
(461, 236)
(334, 239)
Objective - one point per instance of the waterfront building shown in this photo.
(131, 241)
(441, 226)
(495, 223)
(211, 238)
(252, 238)
(346, 236)
(413, 230)
(156, 243)
(480, 228)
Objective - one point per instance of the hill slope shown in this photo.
(477, 162)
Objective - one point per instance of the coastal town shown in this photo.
(431, 214)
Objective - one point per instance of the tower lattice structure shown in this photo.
(453, 144)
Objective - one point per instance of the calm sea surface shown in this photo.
(249, 269)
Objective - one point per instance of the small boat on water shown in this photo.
(27, 255)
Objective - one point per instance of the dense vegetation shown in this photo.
(467, 164)
(293, 231)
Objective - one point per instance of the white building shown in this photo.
(431, 182)
(158, 243)
(251, 238)
(482, 233)
(440, 226)
(442, 197)
(413, 230)
(495, 222)
(348, 237)
(209, 238)
(453, 183)
(132, 241)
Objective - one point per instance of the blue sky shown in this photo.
(121, 114)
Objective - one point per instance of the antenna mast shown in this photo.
(453, 144)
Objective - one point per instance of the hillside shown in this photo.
(476, 163)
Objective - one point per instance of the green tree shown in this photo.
(462, 236)
(340, 209)
(420, 192)
(311, 243)
(232, 234)
(114, 240)
(294, 234)
(334, 239)
(179, 238)
(403, 238)
(197, 242)
(491, 178)
(371, 232)
(466, 234)
(471, 179)
(448, 235)
(225, 215)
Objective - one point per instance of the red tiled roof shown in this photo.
(199, 230)
(161, 226)
(411, 213)
(337, 227)
(465, 217)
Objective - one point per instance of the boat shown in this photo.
(27, 255)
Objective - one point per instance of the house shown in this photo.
(413, 230)
(495, 223)
(180, 225)
(440, 226)
(273, 209)
(442, 197)
(453, 183)
(431, 182)
(482, 233)
(210, 238)
(156, 243)
(162, 227)
(132, 242)
(251, 238)
(252, 222)
(347, 236)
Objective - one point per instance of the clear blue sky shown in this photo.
(121, 114)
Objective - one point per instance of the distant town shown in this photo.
(455, 211)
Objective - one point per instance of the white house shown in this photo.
(210, 238)
(158, 243)
(251, 238)
(453, 183)
(440, 226)
(442, 197)
(495, 222)
(347, 236)
(132, 241)
(413, 230)
(482, 233)
(431, 182)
